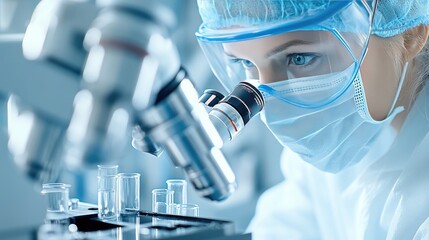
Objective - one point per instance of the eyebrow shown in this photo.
(285, 46)
(278, 49)
(229, 54)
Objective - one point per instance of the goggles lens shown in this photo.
(299, 57)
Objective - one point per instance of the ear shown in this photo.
(414, 41)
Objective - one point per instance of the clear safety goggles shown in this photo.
(318, 50)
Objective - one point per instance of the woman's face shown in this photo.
(317, 53)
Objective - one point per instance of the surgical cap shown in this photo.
(392, 17)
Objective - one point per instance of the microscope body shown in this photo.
(101, 74)
(121, 69)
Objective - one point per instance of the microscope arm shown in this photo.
(40, 107)
(48, 91)
(43, 91)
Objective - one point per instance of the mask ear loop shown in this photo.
(401, 82)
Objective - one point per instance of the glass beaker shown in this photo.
(179, 187)
(58, 197)
(162, 200)
(107, 170)
(107, 186)
(129, 192)
(191, 210)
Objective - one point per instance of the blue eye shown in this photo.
(300, 59)
(246, 63)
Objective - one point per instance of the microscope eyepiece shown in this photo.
(246, 99)
(233, 112)
(211, 97)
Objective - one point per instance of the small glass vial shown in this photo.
(107, 206)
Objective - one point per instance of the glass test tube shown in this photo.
(129, 192)
(191, 210)
(179, 187)
(162, 200)
(107, 185)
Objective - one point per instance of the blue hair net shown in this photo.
(392, 17)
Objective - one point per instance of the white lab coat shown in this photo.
(385, 196)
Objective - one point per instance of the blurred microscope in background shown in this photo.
(83, 89)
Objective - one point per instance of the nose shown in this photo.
(270, 75)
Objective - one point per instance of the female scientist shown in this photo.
(344, 84)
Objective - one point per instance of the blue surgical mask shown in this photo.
(331, 137)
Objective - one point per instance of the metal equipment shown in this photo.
(132, 76)
(110, 67)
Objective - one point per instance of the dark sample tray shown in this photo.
(148, 225)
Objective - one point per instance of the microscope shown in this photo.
(112, 68)
(133, 77)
